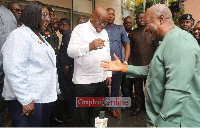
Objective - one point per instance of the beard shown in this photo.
(198, 40)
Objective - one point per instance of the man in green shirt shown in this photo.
(172, 91)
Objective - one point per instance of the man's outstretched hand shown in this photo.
(115, 65)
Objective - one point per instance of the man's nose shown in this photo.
(196, 31)
(185, 23)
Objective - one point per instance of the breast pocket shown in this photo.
(117, 37)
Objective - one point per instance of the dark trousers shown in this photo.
(126, 86)
(40, 118)
(115, 86)
(85, 116)
(2, 104)
(66, 87)
(139, 93)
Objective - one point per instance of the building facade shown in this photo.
(72, 9)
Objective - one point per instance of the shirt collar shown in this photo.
(33, 35)
(67, 31)
(111, 25)
(91, 27)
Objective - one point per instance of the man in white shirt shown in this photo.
(89, 44)
(7, 24)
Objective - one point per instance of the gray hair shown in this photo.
(161, 9)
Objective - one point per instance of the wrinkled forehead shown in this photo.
(102, 16)
(147, 16)
(128, 19)
(140, 15)
(16, 6)
(81, 19)
(110, 10)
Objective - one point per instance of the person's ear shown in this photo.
(161, 19)
(92, 16)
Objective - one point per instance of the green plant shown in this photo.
(139, 8)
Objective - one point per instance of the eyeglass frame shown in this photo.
(81, 22)
(46, 15)
(100, 21)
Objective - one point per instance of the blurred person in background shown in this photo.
(81, 20)
(117, 37)
(196, 32)
(7, 24)
(127, 82)
(185, 22)
(16, 9)
(66, 67)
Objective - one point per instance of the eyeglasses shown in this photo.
(100, 21)
(81, 22)
(18, 10)
(46, 16)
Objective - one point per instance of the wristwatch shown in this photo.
(125, 62)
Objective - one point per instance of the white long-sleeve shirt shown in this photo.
(87, 67)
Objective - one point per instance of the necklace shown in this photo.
(168, 30)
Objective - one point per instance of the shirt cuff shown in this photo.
(25, 101)
(109, 73)
(161, 122)
(130, 69)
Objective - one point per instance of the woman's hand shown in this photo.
(28, 109)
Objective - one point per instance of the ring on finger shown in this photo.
(97, 47)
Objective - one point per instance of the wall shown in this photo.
(115, 4)
(84, 6)
(59, 3)
(192, 7)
